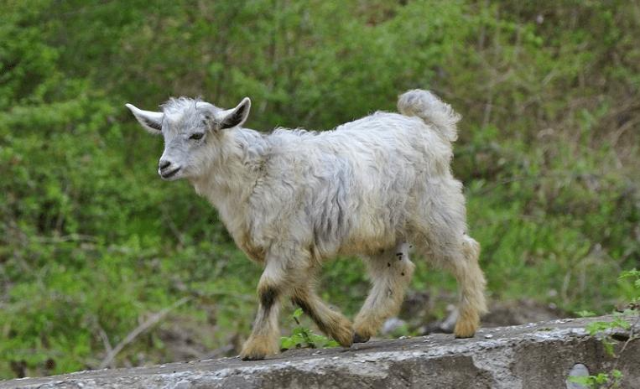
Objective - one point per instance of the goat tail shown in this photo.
(431, 110)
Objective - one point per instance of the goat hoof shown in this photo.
(360, 339)
(465, 329)
(252, 357)
(257, 348)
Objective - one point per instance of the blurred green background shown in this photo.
(93, 244)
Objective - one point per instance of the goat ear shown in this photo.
(236, 116)
(150, 121)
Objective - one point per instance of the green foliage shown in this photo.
(303, 337)
(621, 319)
(634, 274)
(605, 330)
(601, 380)
(92, 243)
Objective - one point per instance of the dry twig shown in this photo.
(150, 322)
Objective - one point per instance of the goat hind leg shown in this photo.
(390, 273)
(471, 282)
(460, 257)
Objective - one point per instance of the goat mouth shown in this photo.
(166, 175)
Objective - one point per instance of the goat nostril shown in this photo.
(164, 164)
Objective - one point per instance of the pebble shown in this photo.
(578, 370)
(488, 336)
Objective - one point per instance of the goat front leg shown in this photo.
(264, 337)
(281, 273)
(390, 272)
(331, 322)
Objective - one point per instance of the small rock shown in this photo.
(488, 336)
(578, 370)
(392, 324)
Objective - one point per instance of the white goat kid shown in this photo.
(293, 199)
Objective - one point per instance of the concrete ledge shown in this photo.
(539, 355)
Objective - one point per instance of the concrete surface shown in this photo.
(539, 355)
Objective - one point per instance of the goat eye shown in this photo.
(196, 136)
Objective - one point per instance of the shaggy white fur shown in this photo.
(293, 198)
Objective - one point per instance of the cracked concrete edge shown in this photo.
(538, 355)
